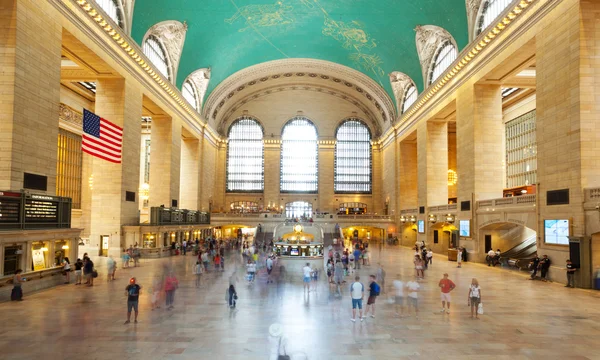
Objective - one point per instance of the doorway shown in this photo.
(104, 242)
(488, 243)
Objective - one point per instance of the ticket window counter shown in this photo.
(298, 250)
(61, 251)
(12, 259)
(149, 241)
(39, 256)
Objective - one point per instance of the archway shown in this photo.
(515, 241)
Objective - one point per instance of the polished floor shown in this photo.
(523, 319)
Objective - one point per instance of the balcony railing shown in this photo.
(516, 201)
(442, 208)
(413, 211)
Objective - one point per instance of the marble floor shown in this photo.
(523, 319)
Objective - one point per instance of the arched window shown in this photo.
(444, 57)
(299, 161)
(112, 9)
(352, 170)
(298, 209)
(410, 96)
(245, 160)
(490, 10)
(156, 53)
(189, 93)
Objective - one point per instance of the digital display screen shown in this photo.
(421, 226)
(294, 252)
(41, 211)
(556, 232)
(464, 228)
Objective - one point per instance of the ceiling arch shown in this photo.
(374, 37)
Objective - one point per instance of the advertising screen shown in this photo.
(294, 252)
(464, 228)
(421, 226)
(556, 232)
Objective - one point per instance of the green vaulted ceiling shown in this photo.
(375, 37)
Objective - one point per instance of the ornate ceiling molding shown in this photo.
(373, 119)
(473, 7)
(320, 73)
(428, 40)
(400, 83)
(200, 78)
(172, 35)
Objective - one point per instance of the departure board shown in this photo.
(40, 208)
(10, 206)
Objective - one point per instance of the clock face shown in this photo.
(298, 228)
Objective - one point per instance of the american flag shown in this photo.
(101, 138)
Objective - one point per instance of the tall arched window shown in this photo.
(245, 156)
(410, 96)
(444, 57)
(352, 172)
(112, 9)
(298, 209)
(189, 93)
(156, 53)
(299, 160)
(490, 10)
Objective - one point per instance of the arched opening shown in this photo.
(444, 57)
(298, 209)
(188, 90)
(299, 157)
(245, 156)
(516, 243)
(352, 164)
(489, 11)
(410, 96)
(156, 53)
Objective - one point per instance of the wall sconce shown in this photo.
(413, 219)
(403, 219)
(65, 247)
(432, 218)
(450, 218)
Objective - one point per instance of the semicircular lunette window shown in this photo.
(490, 11)
(410, 96)
(444, 57)
(299, 160)
(352, 171)
(155, 52)
(245, 156)
(112, 9)
(189, 94)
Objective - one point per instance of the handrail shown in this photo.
(30, 275)
(523, 200)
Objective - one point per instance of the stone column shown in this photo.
(165, 161)
(190, 172)
(407, 175)
(29, 92)
(432, 155)
(479, 142)
(326, 193)
(120, 102)
(272, 174)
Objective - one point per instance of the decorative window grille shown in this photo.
(410, 96)
(299, 156)
(490, 10)
(112, 9)
(189, 93)
(68, 167)
(298, 209)
(444, 57)
(147, 161)
(156, 53)
(353, 165)
(521, 151)
(245, 156)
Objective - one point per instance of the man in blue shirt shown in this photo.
(357, 253)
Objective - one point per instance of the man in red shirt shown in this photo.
(446, 285)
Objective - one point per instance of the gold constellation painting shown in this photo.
(275, 14)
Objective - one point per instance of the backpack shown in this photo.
(376, 289)
(133, 291)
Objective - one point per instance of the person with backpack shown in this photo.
(132, 291)
(374, 291)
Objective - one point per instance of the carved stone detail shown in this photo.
(428, 39)
(473, 7)
(172, 35)
(200, 78)
(400, 83)
(127, 6)
(70, 115)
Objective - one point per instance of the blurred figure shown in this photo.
(112, 268)
(278, 342)
(171, 284)
(78, 267)
(198, 272)
(232, 296)
(17, 291)
(67, 269)
(381, 277)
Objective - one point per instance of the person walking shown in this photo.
(357, 292)
(374, 291)
(338, 276)
(205, 260)
(17, 291)
(67, 269)
(545, 266)
(571, 269)
(419, 267)
(413, 296)
(399, 295)
(198, 269)
(430, 257)
(171, 285)
(381, 277)
(459, 257)
(357, 253)
(278, 343)
(125, 259)
(307, 272)
(446, 285)
(78, 267)
(269, 265)
(474, 298)
(132, 291)
(184, 247)
(111, 264)
(232, 296)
